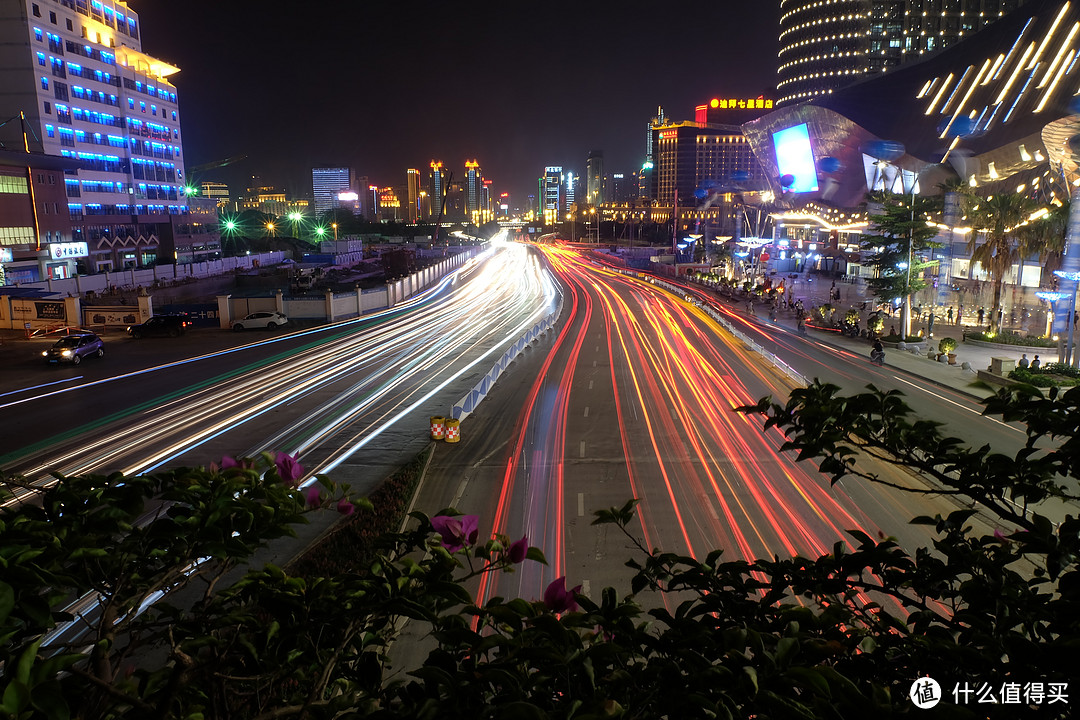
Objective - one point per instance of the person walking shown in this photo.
(982, 314)
(950, 314)
(930, 324)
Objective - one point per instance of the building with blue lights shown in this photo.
(328, 183)
(76, 71)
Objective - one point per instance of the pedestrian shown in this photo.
(930, 324)
(1036, 363)
(959, 314)
(982, 314)
(950, 314)
(1023, 361)
(1076, 317)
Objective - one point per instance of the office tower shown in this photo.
(77, 72)
(474, 181)
(622, 188)
(594, 178)
(551, 193)
(825, 46)
(570, 180)
(437, 180)
(327, 183)
(412, 195)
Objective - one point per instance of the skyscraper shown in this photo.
(825, 46)
(552, 194)
(594, 178)
(412, 195)
(437, 181)
(474, 183)
(329, 182)
(77, 71)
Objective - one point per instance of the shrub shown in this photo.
(1011, 338)
(947, 345)
(1049, 375)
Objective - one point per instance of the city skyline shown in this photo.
(399, 90)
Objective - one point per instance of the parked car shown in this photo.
(171, 325)
(260, 320)
(74, 347)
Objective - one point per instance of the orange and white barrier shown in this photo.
(453, 431)
(438, 427)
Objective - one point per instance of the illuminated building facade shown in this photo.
(327, 183)
(412, 195)
(594, 179)
(389, 205)
(825, 46)
(218, 192)
(437, 180)
(89, 93)
(474, 188)
(551, 193)
(691, 155)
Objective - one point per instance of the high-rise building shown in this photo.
(327, 183)
(551, 193)
(77, 72)
(594, 178)
(825, 46)
(412, 195)
(571, 182)
(437, 181)
(474, 183)
(622, 188)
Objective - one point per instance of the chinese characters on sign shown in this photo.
(63, 251)
(744, 104)
(926, 693)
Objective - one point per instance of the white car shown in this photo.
(260, 320)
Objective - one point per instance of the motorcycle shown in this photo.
(877, 357)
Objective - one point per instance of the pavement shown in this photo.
(815, 290)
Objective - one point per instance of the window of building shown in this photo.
(48, 108)
(36, 9)
(52, 179)
(41, 59)
(13, 184)
(44, 83)
(52, 18)
(131, 104)
(39, 36)
(70, 27)
(142, 106)
(50, 131)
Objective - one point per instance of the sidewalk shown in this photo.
(815, 292)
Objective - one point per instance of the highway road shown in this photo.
(634, 397)
(352, 398)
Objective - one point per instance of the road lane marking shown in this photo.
(460, 492)
(585, 588)
(586, 411)
(953, 402)
(590, 384)
(581, 504)
(582, 448)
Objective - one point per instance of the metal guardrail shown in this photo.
(724, 323)
(464, 407)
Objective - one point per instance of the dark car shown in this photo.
(171, 325)
(74, 347)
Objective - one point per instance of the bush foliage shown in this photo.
(843, 635)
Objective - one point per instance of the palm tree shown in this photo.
(996, 220)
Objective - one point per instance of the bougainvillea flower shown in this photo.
(345, 507)
(519, 550)
(313, 496)
(288, 467)
(558, 599)
(456, 532)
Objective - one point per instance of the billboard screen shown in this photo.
(794, 157)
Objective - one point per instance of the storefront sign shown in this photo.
(64, 251)
(50, 310)
(6, 255)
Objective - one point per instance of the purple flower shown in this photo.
(456, 532)
(345, 507)
(313, 496)
(519, 550)
(1000, 536)
(289, 468)
(558, 599)
(228, 461)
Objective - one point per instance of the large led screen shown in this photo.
(794, 157)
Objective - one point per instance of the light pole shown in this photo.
(334, 225)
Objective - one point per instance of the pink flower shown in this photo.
(289, 468)
(519, 550)
(227, 461)
(313, 496)
(456, 532)
(1000, 536)
(345, 507)
(558, 599)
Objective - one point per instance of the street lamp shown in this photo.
(270, 229)
(334, 225)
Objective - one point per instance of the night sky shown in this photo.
(386, 85)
